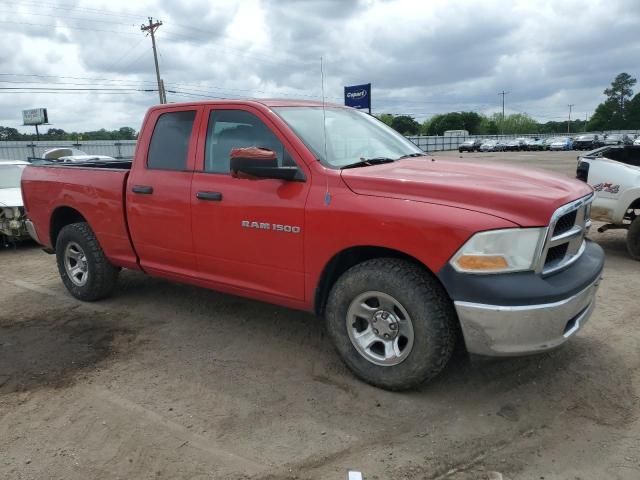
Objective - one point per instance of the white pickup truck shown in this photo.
(614, 173)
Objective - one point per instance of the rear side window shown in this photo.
(170, 141)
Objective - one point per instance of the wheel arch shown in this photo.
(350, 257)
(60, 218)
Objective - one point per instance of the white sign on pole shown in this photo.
(35, 116)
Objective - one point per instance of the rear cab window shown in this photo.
(169, 144)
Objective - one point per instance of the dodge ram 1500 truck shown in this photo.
(324, 208)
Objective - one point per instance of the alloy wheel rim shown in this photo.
(380, 328)
(75, 264)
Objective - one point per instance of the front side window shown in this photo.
(170, 141)
(229, 129)
(350, 135)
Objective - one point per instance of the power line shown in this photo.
(74, 89)
(71, 27)
(128, 52)
(68, 7)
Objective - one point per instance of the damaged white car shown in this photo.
(12, 219)
(71, 155)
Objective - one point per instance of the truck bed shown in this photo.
(104, 164)
(89, 191)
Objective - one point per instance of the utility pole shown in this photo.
(151, 29)
(571, 105)
(503, 93)
(164, 91)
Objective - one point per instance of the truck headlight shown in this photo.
(8, 212)
(499, 251)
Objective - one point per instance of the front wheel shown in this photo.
(633, 239)
(391, 322)
(82, 264)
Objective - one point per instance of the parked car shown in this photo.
(561, 143)
(397, 253)
(587, 141)
(534, 144)
(12, 219)
(511, 145)
(491, 146)
(614, 174)
(617, 139)
(472, 145)
(637, 140)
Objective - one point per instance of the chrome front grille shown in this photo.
(564, 242)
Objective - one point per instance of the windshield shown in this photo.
(350, 135)
(10, 175)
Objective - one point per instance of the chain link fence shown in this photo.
(14, 150)
(124, 149)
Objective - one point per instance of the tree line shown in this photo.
(123, 133)
(620, 111)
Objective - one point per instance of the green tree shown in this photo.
(9, 133)
(126, 133)
(469, 121)
(633, 112)
(386, 118)
(405, 125)
(604, 117)
(620, 90)
(489, 125)
(56, 134)
(519, 123)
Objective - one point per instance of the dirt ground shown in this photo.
(166, 381)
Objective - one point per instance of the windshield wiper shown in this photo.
(410, 155)
(365, 162)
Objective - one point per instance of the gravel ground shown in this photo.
(168, 381)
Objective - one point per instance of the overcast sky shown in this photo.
(422, 57)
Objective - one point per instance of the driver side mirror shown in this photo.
(258, 162)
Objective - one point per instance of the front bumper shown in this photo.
(526, 312)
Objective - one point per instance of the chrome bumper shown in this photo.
(495, 330)
(31, 229)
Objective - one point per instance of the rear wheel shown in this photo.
(82, 265)
(391, 322)
(633, 239)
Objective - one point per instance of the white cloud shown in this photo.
(421, 57)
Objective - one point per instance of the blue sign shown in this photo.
(358, 96)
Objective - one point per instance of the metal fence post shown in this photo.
(117, 144)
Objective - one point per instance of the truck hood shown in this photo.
(527, 197)
(10, 197)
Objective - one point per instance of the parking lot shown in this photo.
(170, 381)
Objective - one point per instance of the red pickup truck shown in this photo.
(325, 209)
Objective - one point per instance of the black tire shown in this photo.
(430, 310)
(633, 239)
(102, 276)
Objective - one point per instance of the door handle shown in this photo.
(144, 189)
(211, 196)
